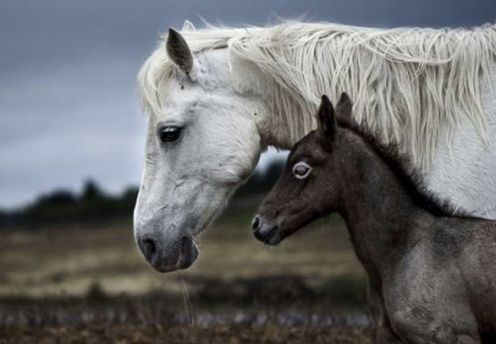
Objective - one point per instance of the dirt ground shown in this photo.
(125, 334)
(74, 284)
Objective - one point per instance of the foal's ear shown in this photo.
(178, 51)
(327, 118)
(343, 109)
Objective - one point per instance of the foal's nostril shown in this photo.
(255, 223)
(185, 241)
(149, 249)
(259, 235)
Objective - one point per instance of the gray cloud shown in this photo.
(68, 108)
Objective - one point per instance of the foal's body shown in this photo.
(432, 276)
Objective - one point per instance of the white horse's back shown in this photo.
(465, 168)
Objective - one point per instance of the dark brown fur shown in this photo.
(402, 167)
(431, 269)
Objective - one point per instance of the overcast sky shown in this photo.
(68, 104)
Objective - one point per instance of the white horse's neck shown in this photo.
(278, 131)
(458, 158)
(251, 84)
(408, 85)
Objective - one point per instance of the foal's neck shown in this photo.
(378, 210)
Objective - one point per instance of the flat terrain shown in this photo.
(187, 334)
(80, 284)
(69, 260)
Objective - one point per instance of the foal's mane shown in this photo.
(409, 177)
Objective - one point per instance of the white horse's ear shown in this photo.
(188, 26)
(178, 51)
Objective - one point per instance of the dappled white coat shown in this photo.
(431, 91)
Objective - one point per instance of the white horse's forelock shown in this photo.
(408, 84)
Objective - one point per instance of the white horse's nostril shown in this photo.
(149, 249)
(188, 253)
(255, 223)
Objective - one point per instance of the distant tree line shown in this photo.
(93, 205)
(64, 206)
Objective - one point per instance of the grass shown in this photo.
(68, 260)
(76, 284)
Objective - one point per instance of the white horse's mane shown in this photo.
(408, 84)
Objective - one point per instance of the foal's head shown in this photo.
(310, 186)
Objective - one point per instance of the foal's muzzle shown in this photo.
(265, 231)
(166, 255)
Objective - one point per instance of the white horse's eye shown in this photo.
(301, 170)
(169, 134)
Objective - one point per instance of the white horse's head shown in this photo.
(202, 143)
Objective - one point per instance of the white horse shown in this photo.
(217, 97)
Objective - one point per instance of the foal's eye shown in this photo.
(301, 170)
(169, 134)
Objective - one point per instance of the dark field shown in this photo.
(78, 284)
(187, 334)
